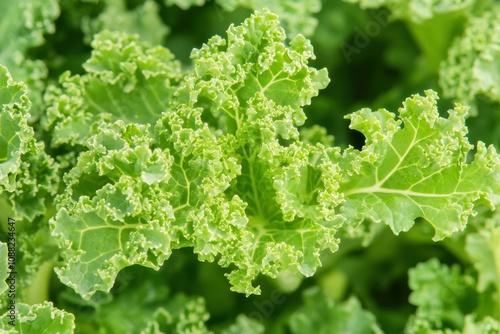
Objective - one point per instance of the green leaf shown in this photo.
(22, 26)
(140, 302)
(483, 248)
(442, 296)
(26, 171)
(472, 68)
(115, 211)
(30, 179)
(487, 325)
(37, 319)
(126, 79)
(200, 187)
(433, 24)
(15, 134)
(319, 314)
(416, 166)
(250, 90)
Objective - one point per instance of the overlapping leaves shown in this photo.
(224, 170)
(196, 181)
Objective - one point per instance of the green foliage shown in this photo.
(142, 20)
(416, 167)
(37, 319)
(322, 315)
(471, 68)
(444, 300)
(4, 273)
(153, 193)
(417, 10)
(24, 24)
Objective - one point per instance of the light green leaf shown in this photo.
(186, 315)
(126, 79)
(200, 187)
(483, 248)
(26, 171)
(439, 292)
(472, 68)
(252, 88)
(30, 179)
(16, 136)
(321, 315)
(37, 319)
(416, 166)
(116, 212)
(487, 325)
(22, 26)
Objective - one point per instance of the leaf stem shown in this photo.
(38, 290)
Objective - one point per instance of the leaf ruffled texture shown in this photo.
(416, 166)
(216, 177)
(226, 171)
(23, 24)
(37, 319)
(16, 136)
(115, 211)
(471, 70)
(27, 173)
(126, 79)
(29, 179)
(437, 290)
(447, 302)
(250, 90)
